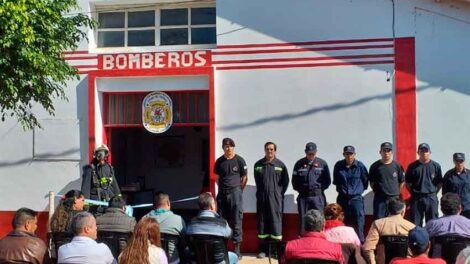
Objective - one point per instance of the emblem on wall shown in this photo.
(157, 112)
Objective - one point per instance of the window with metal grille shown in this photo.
(125, 109)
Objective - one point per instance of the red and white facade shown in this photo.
(333, 72)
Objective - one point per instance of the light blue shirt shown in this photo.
(85, 250)
(449, 225)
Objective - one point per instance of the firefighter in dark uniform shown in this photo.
(457, 180)
(386, 177)
(311, 176)
(272, 180)
(231, 176)
(424, 179)
(98, 182)
(351, 180)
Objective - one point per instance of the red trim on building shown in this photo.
(76, 52)
(81, 58)
(303, 65)
(306, 43)
(405, 103)
(371, 56)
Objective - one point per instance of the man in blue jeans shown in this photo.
(208, 222)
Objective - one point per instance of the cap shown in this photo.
(418, 238)
(424, 146)
(349, 149)
(310, 147)
(459, 156)
(386, 145)
(228, 141)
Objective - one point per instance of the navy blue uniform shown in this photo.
(385, 180)
(310, 179)
(230, 196)
(272, 179)
(351, 182)
(424, 180)
(458, 183)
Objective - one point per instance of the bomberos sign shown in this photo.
(157, 112)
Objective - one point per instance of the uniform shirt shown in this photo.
(386, 178)
(424, 178)
(230, 171)
(311, 175)
(85, 250)
(271, 176)
(106, 181)
(350, 180)
(449, 225)
(314, 245)
(459, 184)
(417, 260)
(394, 225)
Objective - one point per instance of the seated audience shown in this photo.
(115, 218)
(21, 245)
(71, 204)
(419, 245)
(208, 222)
(169, 222)
(144, 245)
(313, 243)
(451, 223)
(335, 230)
(83, 248)
(393, 225)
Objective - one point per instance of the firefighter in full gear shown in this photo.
(272, 179)
(99, 182)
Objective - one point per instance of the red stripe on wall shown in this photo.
(303, 65)
(264, 45)
(371, 56)
(81, 58)
(75, 52)
(6, 218)
(238, 52)
(405, 102)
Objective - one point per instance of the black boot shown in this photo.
(237, 251)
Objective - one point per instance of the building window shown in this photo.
(157, 27)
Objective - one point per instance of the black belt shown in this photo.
(316, 192)
(423, 194)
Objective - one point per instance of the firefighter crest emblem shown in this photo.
(157, 112)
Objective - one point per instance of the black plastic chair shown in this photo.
(311, 261)
(55, 240)
(116, 241)
(394, 246)
(448, 247)
(170, 242)
(279, 247)
(208, 249)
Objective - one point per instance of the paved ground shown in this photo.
(251, 259)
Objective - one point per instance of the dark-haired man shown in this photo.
(386, 177)
(231, 176)
(457, 180)
(424, 180)
(393, 225)
(351, 180)
(451, 223)
(272, 180)
(311, 177)
(419, 245)
(21, 245)
(169, 222)
(115, 218)
(208, 222)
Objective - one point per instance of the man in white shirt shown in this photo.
(83, 248)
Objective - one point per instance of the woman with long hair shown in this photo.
(144, 246)
(335, 230)
(71, 203)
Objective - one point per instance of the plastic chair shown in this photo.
(116, 241)
(394, 246)
(448, 247)
(208, 249)
(170, 244)
(55, 240)
(311, 261)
